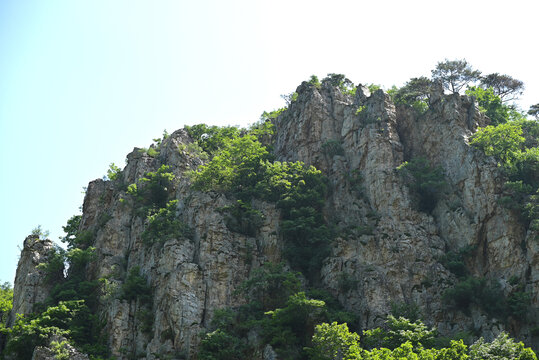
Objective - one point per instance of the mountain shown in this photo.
(399, 214)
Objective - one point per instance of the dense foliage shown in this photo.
(515, 147)
(300, 322)
(243, 168)
(405, 340)
(69, 310)
(279, 308)
(6, 302)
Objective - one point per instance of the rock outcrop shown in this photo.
(386, 249)
(30, 285)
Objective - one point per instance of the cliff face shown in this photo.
(389, 251)
(30, 286)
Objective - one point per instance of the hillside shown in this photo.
(370, 202)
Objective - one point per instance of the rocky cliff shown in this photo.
(388, 251)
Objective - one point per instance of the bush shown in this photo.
(54, 267)
(332, 148)
(135, 287)
(290, 328)
(454, 261)
(114, 173)
(502, 141)
(341, 82)
(243, 169)
(270, 285)
(408, 311)
(242, 218)
(152, 190)
(508, 143)
(220, 345)
(164, 225)
(212, 138)
(426, 182)
(27, 333)
(477, 291)
(490, 104)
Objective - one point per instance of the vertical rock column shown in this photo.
(30, 286)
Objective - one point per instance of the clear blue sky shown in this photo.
(83, 82)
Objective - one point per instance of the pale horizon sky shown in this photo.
(83, 82)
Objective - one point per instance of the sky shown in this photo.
(84, 82)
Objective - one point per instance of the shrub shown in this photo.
(332, 148)
(426, 182)
(347, 282)
(212, 138)
(220, 345)
(242, 218)
(163, 225)
(454, 261)
(242, 168)
(490, 104)
(405, 310)
(114, 173)
(71, 230)
(135, 287)
(341, 82)
(290, 328)
(151, 191)
(502, 141)
(270, 285)
(54, 267)
(508, 144)
(27, 333)
(477, 291)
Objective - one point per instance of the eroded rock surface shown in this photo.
(385, 251)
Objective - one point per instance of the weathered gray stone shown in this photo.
(386, 250)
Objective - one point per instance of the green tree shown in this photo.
(504, 86)
(152, 190)
(500, 348)
(6, 302)
(398, 331)
(290, 328)
(502, 141)
(341, 82)
(534, 111)
(163, 225)
(415, 89)
(491, 105)
(334, 341)
(32, 331)
(270, 285)
(71, 230)
(455, 74)
(114, 172)
(212, 138)
(220, 345)
(136, 287)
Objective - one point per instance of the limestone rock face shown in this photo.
(30, 286)
(385, 252)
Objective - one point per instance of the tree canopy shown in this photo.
(455, 74)
(504, 86)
